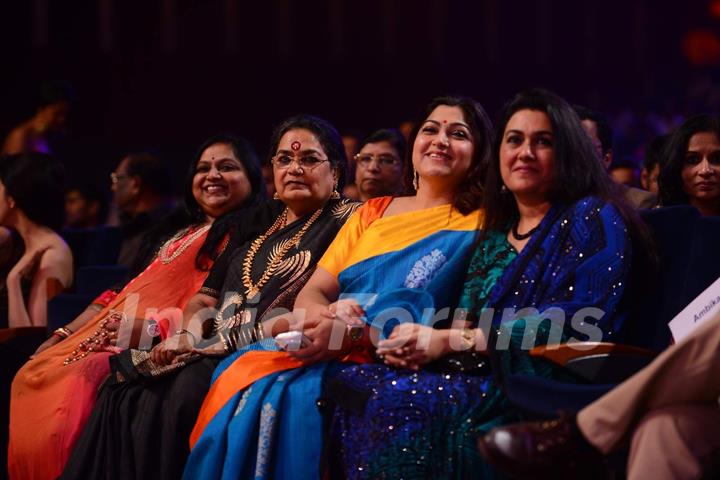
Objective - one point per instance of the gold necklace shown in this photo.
(163, 252)
(276, 258)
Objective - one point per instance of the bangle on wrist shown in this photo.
(62, 332)
(189, 333)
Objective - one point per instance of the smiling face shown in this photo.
(527, 155)
(443, 148)
(303, 188)
(701, 172)
(220, 183)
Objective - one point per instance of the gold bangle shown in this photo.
(62, 332)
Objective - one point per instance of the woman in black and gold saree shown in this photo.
(146, 410)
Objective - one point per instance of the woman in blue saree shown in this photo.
(260, 419)
(557, 239)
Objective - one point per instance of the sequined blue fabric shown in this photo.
(425, 425)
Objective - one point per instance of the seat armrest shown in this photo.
(563, 353)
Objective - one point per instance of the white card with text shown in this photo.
(705, 306)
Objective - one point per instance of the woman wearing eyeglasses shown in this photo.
(379, 166)
(402, 259)
(144, 415)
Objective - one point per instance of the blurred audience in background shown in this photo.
(379, 165)
(86, 206)
(50, 118)
(351, 141)
(625, 175)
(651, 164)
(141, 189)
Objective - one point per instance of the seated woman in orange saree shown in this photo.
(53, 394)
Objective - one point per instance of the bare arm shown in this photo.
(14, 142)
(313, 300)
(52, 275)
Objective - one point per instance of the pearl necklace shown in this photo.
(276, 257)
(163, 252)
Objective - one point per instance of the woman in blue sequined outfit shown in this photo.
(556, 235)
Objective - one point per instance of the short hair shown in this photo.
(604, 129)
(324, 131)
(469, 194)
(25, 175)
(670, 181)
(153, 172)
(390, 135)
(92, 193)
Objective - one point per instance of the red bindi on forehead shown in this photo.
(295, 145)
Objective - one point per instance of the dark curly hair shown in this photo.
(468, 195)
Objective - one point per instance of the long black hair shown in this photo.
(578, 170)
(36, 181)
(190, 213)
(468, 195)
(578, 173)
(673, 157)
(326, 134)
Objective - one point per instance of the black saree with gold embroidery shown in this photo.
(142, 420)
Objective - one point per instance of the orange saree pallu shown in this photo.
(54, 393)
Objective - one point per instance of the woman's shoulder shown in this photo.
(58, 258)
(593, 206)
(374, 209)
(593, 213)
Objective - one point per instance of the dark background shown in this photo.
(165, 74)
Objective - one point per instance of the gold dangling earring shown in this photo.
(416, 180)
(276, 196)
(335, 194)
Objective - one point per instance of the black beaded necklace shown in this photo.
(518, 236)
